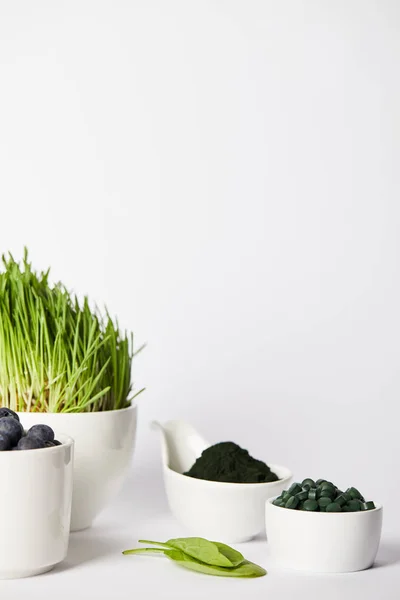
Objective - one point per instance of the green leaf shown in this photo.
(144, 550)
(213, 551)
(245, 569)
(203, 550)
(231, 554)
(164, 544)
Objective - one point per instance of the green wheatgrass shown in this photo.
(58, 354)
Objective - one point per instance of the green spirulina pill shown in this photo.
(333, 507)
(327, 493)
(367, 506)
(354, 493)
(324, 502)
(309, 482)
(326, 484)
(310, 505)
(328, 489)
(323, 496)
(302, 495)
(340, 500)
(354, 505)
(292, 502)
(295, 488)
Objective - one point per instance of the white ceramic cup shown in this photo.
(227, 512)
(104, 444)
(322, 542)
(35, 508)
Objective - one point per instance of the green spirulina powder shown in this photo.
(229, 462)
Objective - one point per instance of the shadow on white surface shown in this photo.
(86, 548)
(388, 554)
(260, 537)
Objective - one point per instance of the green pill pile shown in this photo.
(322, 496)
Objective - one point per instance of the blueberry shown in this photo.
(30, 443)
(5, 443)
(57, 443)
(43, 432)
(49, 444)
(12, 429)
(7, 412)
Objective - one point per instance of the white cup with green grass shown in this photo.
(64, 364)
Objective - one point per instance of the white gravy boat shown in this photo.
(220, 511)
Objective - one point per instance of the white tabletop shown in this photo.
(95, 567)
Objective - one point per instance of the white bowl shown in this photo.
(104, 444)
(322, 542)
(35, 508)
(227, 512)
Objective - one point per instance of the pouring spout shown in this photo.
(181, 444)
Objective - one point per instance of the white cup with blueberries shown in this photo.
(38, 468)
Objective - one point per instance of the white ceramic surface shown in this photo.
(227, 512)
(35, 509)
(104, 444)
(322, 542)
